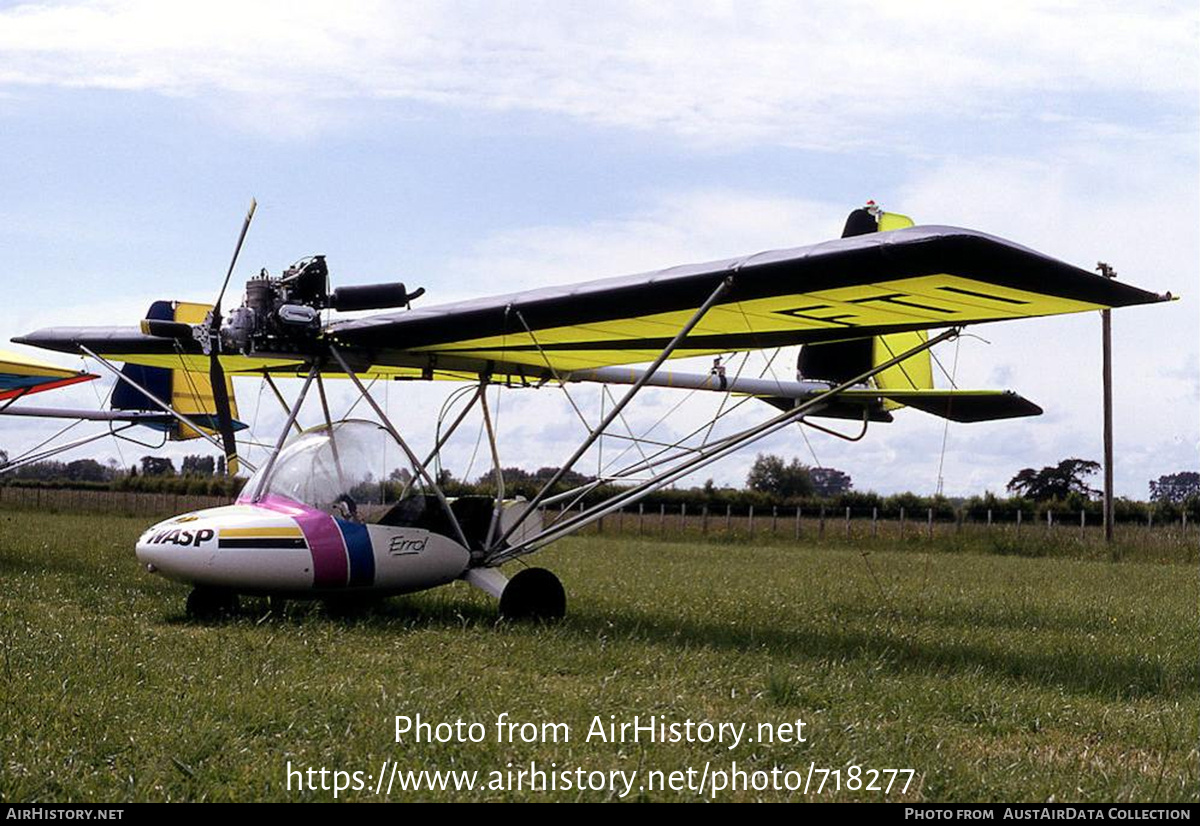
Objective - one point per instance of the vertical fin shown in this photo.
(915, 373)
(155, 379)
(843, 360)
(189, 392)
(192, 391)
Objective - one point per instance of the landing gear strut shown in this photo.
(533, 593)
(211, 603)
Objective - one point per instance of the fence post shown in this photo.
(1049, 519)
(1018, 520)
(751, 525)
(798, 521)
(682, 516)
(662, 517)
(641, 517)
(774, 518)
(847, 521)
(874, 522)
(728, 518)
(821, 525)
(1082, 522)
(931, 523)
(704, 520)
(989, 517)
(901, 522)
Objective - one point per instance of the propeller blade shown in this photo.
(216, 373)
(236, 252)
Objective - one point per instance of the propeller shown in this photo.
(216, 372)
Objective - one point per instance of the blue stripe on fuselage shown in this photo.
(358, 550)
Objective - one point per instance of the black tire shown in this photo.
(533, 594)
(211, 603)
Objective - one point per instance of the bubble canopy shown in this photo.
(337, 466)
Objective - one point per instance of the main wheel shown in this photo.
(211, 603)
(533, 593)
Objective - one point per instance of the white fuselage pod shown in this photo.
(286, 548)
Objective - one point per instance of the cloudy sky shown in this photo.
(481, 147)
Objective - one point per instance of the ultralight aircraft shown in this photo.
(865, 310)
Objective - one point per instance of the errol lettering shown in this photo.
(403, 546)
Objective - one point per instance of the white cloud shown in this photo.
(725, 74)
(671, 228)
(1116, 90)
(1055, 362)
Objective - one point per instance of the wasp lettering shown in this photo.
(178, 537)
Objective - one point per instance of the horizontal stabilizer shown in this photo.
(863, 408)
(960, 405)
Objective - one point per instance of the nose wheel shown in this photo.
(533, 594)
(211, 603)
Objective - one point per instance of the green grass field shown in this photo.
(996, 678)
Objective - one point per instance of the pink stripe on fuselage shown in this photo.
(331, 568)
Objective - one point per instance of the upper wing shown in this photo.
(907, 279)
(21, 375)
(868, 285)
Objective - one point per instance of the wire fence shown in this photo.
(1019, 533)
(116, 502)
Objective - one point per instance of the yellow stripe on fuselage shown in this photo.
(260, 533)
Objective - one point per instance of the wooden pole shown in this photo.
(1106, 335)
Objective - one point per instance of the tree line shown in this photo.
(772, 482)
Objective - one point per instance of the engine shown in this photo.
(282, 314)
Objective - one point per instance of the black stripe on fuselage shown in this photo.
(266, 542)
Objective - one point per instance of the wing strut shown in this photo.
(727, 446)
(537, 500)
(110, 367)
(293, 414)
(36, 456)
(412, 457)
